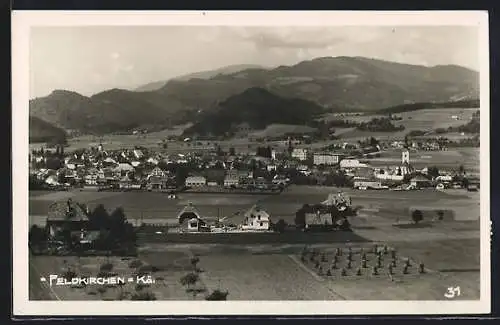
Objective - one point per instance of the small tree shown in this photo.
(280, 226)
(194, 262)
(417, 216)
(217, 295)
(36, 236)
(190, 280)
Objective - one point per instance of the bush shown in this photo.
(217, 295)
(106, 267)
(143, 296)
(68, 275)
(144, 269)
(140, 286)
(135, 264)
(417, 216)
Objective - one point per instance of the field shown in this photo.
(424, 120)
(276, 272)
(157, 208)
(450, 159)
(449, 249)
(427, 119)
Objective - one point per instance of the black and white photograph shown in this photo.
(281, 162)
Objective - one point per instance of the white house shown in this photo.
(299, 154)
(152, 161)
(194, 181)
(51, 180)
(91, 179)
(351, 163)
(124, 168)
(444, 178)
(158, 172)
(138, 154)
(271, 167)
(326, 158)
(231, 180)
(256, 219)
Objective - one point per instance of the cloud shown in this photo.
(288, 38)
(115, 55)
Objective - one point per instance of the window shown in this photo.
(258, 217)
(261, 224)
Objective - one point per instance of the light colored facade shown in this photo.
(299, 154)
(367, 184)
(158, 172)
(351, 163)
(231, 181)
(256, 219)
(194, 181)
(326, 158)
(318, 219)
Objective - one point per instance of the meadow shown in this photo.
(155, 207)
(276, 272)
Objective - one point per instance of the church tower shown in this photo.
(405, 162)
(405, 157)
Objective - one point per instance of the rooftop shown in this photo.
(66, 210)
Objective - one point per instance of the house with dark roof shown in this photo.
(66, 216)
(419, 181)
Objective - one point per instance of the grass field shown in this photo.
(450, 159)
(449, 249)
(427, 119)
(276, 272)
(156, 206)
(424, 120)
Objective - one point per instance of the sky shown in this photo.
(91, 59)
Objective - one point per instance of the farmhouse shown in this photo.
(420, 181)
(256, 219)
(317, 217)
(66, 215)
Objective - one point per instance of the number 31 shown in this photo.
(452, 292)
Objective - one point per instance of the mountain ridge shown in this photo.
(339, 84)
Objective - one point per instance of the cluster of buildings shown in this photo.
(142, 169)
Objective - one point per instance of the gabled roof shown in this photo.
(66, 210)
(189, 208)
